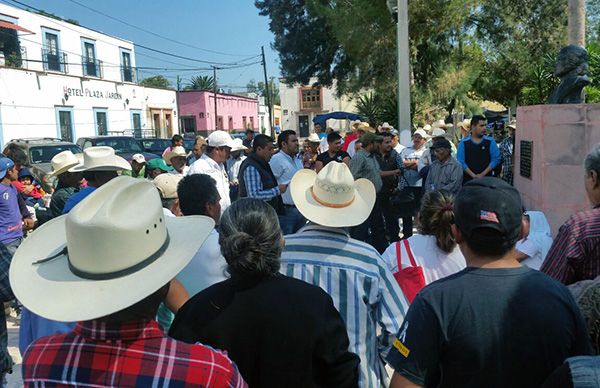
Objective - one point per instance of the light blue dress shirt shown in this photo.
(284, 167)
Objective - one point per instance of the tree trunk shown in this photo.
(577, 22)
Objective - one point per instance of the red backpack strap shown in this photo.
(398, 255)
(409, 253)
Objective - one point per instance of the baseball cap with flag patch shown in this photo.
(489, 203)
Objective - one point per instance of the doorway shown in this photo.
(303, 125)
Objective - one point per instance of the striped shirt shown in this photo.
(575, 252)
(362, 288)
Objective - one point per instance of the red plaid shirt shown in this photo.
(125, 354)
(575, 253)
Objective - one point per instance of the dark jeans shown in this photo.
(390, 216)
(291, 221)
(375, 225)
(407, 221)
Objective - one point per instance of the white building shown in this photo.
(301, 103)
(58, 79)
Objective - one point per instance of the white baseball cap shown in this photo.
(139, 158)
(220, 139)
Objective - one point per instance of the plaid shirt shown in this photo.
(254, 186)
(124, 354)
(575, 253)
(506, 154)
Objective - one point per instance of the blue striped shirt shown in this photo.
(362, 288)
(254, 186)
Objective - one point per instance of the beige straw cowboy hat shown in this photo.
(332, 197)
(62, 162)
(111, 251)
(101, 158)
(175, 151)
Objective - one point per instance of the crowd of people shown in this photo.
(261, 263)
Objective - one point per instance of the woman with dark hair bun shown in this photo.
(281, 332)
(434, 248)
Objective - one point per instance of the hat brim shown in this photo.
(117, 164)
(52, 291)
(63, 169)
(354, 214)
(170, 155)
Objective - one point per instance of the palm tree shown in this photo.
(201, 82)
(577, 22)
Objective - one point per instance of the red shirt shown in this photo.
(348, 139)
(575, 253)
(125, 354)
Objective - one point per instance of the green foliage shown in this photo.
(201, 82)
(157, 81)
(259, 88)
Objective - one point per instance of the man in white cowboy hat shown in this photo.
(68, 182)
(212, 162)
(113, 259)
(237, 156)
(176, 158)
(310, 151)
(100, 165)
(353, 273)
(409, 158)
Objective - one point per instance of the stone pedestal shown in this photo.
(560, 137)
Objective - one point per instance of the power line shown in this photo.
(191, 59)
(155, 34)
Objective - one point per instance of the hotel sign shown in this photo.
(72, 92)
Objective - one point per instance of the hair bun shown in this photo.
(239, 244)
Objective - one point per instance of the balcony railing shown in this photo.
(128, 74)
(55, 60)
(92, 68)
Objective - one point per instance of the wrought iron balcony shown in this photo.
(55, 60)
(128, 74)
(92, 68)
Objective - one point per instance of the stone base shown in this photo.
(562, 135)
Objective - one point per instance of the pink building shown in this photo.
(234, 113)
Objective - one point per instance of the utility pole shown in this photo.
(215, 95)
(178, 112)
(576, 27)
(400, 9)
(267, 91)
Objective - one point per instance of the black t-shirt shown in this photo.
(338, 157)
(508, 327)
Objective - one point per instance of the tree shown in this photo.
(157, 81)
(577, 22)
(259, 88)
(201, 82)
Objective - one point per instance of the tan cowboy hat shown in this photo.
(314, 138)
(238, 145)
(512, 124)
(62, 162)
(465, 124)
(111, 251)
(441, 124)
(167, 185)
(175, 151)
(332, 197)
(101, 158)
(426, 128)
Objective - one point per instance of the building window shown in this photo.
(10, 47)
(136, 123)
(52, 58)
(91, 66)
(189, 124)
(252, 122)
(310, 99)
(101, 121)
(201, 115)
(285, 112)
(64, 121)
(127, 73)
(244, 122)
(230, 126)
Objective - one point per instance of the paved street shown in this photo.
(14, 379)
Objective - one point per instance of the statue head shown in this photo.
(571, 60)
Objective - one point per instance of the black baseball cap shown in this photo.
(489, 203)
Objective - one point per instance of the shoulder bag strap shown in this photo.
(409, 253)
(398, 255)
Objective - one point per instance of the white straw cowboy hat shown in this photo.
(332, 197)
(62, 162)
(175, 151)
(111, 251)
(238, 145)
(101, 158)
(314, 138)
(465, 124)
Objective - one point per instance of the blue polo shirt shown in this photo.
(11, 223)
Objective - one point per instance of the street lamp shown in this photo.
(399, 10)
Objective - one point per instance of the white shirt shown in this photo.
(436, 263)
(206, 268)
(284, 168)
(206, 165)
(180, 174)
(233, 168)
(412, 154)
(537, 244)
(351, 148)
(399, 148)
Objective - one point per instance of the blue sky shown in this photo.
(229, 26)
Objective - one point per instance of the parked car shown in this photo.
(155, 146)
(40, 151)
(124, 146)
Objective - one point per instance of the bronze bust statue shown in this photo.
(571, 67)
